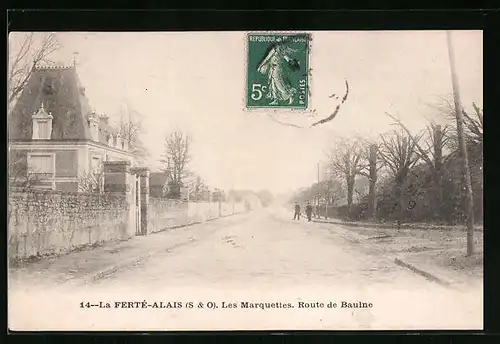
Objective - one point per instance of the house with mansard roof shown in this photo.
(55, 135)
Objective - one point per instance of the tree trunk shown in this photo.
(350, 192)
(398, 195)
(372, 207)
(438, 171)
(372, 198)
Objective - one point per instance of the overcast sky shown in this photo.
(196, 82)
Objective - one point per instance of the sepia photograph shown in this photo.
(245, 180)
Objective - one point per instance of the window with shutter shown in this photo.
(97, 180)
(43, 129)
(41, 164)
(96, 165)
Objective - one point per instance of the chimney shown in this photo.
(104, 119)
(94, 126)
(118, 141)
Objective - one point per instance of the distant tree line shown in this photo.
(412, 177)
(265, 197)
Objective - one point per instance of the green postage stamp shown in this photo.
(277, 70)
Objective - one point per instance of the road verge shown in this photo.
(426, 274)
(111, 269)
(435, 254)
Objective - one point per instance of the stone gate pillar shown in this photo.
(117, 179)
(143, 175)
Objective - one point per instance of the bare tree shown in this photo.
(91, 182)
(130, 133)
(32, 50)
(197, 189)
(19, 177)
(360, 195)
(429, 147)
(398, 153)
(371, 165)
(20, 180)
(331, 191)
(473, 131)
(176, 157)
(474, 124)
(130, 129)
(345, 162)
(472, 120)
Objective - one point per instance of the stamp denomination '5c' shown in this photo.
(277, 71)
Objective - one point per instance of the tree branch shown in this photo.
(423, 153)
(23, 63)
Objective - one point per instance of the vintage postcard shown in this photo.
(193, 181)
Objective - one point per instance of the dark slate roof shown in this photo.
(157, 178)
(60, 91)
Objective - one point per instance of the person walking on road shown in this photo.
(309, 210)
(297, 211)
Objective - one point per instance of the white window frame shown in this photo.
(50, 178)
(51, 155)
(94, 158)
(38, 125)
(100, 157)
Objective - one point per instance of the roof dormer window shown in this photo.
(42, 125)
(48, 87)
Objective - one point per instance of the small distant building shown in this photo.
(249, 198)
(54, 134)
(252, 201)
(158, 184)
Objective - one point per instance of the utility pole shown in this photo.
(326, 210)
(317, 206)
(463, 149)
(231, 192)
(219, 196)
(127, 109)
(187, 208)
(75, 54)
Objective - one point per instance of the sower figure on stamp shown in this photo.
(309, 210)
(275, 65)
(297, 211)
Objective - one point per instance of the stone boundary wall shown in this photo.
(166, 213)
(50, 222)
